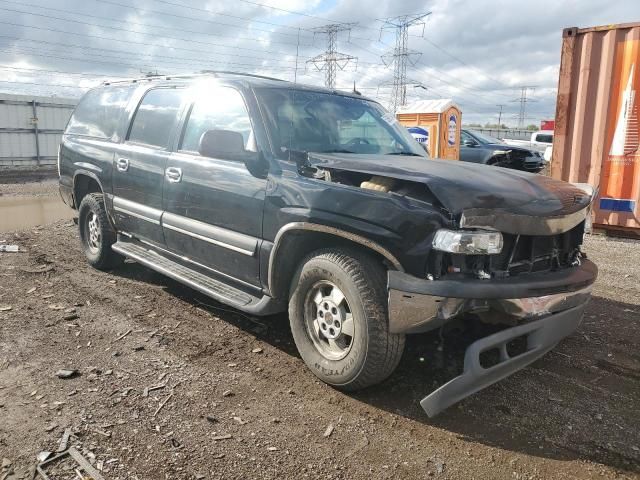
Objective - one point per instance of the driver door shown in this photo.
(470, 149)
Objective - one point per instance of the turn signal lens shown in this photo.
(468, 242)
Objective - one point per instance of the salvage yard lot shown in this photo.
(236, 401)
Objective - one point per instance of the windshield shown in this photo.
(307, 121)
(485, 138)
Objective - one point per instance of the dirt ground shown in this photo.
(173, 385)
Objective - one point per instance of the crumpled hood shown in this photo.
(462, 186)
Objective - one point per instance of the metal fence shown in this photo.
(510, 133)
(31, 128)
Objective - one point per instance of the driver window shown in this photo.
(221, 108)
(466, 138)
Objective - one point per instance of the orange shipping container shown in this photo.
(597, 132)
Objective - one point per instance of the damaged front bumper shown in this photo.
(542, 307)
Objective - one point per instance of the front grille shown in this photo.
(536, 253)
(520, 255)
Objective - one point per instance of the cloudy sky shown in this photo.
(477, 52)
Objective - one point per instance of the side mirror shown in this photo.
(469, 143)
(221, 143)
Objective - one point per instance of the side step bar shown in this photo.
(211, 287)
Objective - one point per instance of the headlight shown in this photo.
(468, 242)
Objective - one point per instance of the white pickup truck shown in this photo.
(542, 140)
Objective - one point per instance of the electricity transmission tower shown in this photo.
(331, 60)
(401, 56)
(500, 114)
(524, 89)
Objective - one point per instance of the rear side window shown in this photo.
(544, 138)
(99, 112)
(156, 117)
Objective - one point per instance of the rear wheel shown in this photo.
(96, 233)
(338, 315)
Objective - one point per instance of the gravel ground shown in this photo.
(173, 385)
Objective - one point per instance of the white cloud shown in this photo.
(476, 52)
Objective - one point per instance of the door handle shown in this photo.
(173, 174)
(122, 164)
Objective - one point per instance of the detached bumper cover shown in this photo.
(542, 336)
(546, 307)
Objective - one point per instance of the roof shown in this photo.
(438, 105)
(247, 78)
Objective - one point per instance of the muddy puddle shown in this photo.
(21, 212)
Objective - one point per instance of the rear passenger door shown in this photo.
(213, 206)
(139, 164)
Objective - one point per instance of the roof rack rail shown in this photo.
(242, 74)
(202, 73)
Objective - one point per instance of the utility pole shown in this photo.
(500, 115)
(522, 114)
(332, 60)
(401, 56)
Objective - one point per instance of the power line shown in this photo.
(133, 42)
(293, 12)
(204, 10)
(94, 76)
(179, 59)
(132, 31)
(459, 83)
(332, 60)
(211, 22)
(138, 65)
(464, 63)
(401, 55)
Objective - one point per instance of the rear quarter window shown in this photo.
(99, 112)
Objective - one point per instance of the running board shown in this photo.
(209, 286)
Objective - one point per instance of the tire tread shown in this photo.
(384, 349)
(106, 259)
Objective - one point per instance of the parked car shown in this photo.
(476, 147)
(540, 141)
(272, 197)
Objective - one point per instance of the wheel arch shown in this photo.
(296, 240)
(85, 182)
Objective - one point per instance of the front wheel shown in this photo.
(96, 233)
(338, 315)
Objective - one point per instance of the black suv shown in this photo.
(476, 147)
(270, 196)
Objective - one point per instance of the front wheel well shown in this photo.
(295, 245)
(82, 186)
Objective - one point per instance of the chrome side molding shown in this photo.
(137, 210)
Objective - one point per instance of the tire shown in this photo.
(96, 233)
(367, 356)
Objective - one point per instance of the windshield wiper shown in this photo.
(408, 154)
(337, 150)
